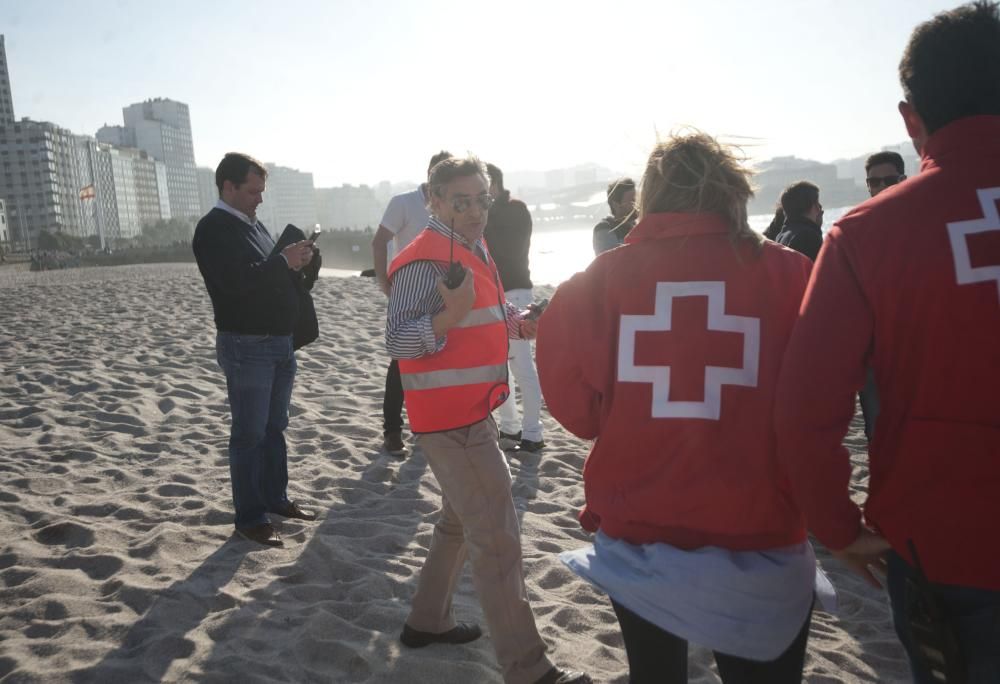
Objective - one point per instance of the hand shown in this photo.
(383, 284)
(529, 329)
(458, 302)
(866, 551)
(298, 254)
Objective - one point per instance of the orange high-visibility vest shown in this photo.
(461, 384)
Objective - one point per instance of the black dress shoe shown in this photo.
(462, 633)
(392, 442)
(531, 446)
(560, 676)
(292, 510)
(262, 534)
(509, 440)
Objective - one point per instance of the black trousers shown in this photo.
(655, 656)
(392, 402)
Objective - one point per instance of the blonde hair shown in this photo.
(695, 173)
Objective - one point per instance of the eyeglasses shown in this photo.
(883, 181)
(463, 204)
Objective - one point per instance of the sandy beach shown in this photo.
(117, 558)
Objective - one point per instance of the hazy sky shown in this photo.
(364, 91)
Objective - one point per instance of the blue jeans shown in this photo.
(260, 370)
(975, 614)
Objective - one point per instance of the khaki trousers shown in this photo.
(478, 519)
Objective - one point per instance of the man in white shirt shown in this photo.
(404, 219)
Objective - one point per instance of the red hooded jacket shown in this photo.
(667, 351)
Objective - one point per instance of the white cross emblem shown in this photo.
(958, 231)
(715, 376)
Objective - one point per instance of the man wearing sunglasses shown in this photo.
(448, 325)
(882, 170)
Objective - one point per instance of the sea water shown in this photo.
(560, 250)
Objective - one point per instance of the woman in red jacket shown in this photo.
(666, 351)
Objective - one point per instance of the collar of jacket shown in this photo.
(671, 224)
(970, 136)
(801, 223)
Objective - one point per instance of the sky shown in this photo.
(359, 92)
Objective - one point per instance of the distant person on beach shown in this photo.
(802, 230)
(611, 231)
(777, 223)
(403, 220)
(908, 284)
(508, 236)
(883, 170)
(256, 304)
(672, 371)
(451, 344)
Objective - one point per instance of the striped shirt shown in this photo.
(414, 301)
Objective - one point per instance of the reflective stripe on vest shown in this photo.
(454, 377)
(485, 316)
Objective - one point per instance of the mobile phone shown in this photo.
(315, 235)
(535, 310)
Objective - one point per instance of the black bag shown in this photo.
(306, 325)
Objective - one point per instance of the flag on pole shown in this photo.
(87, 192)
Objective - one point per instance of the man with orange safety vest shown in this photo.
(451, 344)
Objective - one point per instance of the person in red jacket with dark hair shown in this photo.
(908, 283)
(666, 351)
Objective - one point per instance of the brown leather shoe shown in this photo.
(462, 633)
(559, 676)
(262, 534)
(292, 510)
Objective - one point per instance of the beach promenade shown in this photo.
(117, 559)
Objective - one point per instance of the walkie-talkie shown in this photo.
(456, 274)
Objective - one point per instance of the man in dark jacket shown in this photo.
(611, 231)
(508, 236)
(256, 303)
(803, 219)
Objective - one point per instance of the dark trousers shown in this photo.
(392, 403)
(260, 370)
(869, 404)
(655, 656)
(974, 615)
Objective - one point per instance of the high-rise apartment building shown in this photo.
(41, 175)
(129, 190)
(207, 190)
(6, 98)
(162, 128)
(4, 228)
(289, 197)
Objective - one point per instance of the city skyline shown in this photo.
(355, 94)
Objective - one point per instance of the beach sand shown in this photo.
(117, 559)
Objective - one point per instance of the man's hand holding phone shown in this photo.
(298, 254)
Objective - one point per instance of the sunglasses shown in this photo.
(463, 204)
(883, 181)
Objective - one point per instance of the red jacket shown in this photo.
(684, 453)
(461, 384)
(908, 283)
